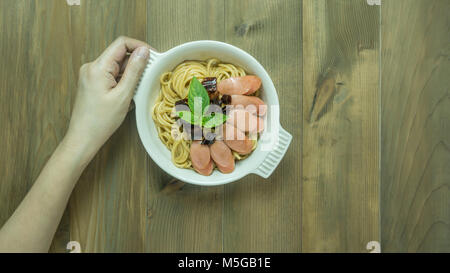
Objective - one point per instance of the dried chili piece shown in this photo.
(210, 84)
(226, 99)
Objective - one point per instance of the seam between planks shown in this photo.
(380, 64)
(302, 122)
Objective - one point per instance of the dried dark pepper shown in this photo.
(226, 99)
(209, 138)
(181, 105)
(210, 84)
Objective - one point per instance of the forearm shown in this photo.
(34, 223)
(105, 89)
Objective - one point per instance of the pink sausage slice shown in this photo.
(245, 85)
(259, 125)
(245, 121)
(208, 170)
(237, 140)
(252, 104)
(200, 155)
(222, 156)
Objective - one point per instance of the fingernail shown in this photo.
(142, 52)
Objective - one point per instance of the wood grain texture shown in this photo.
(370, 153)
(340, 197)
(183, 218)
(108, 207)
(415, 128)
(265, 215)
(36, 82)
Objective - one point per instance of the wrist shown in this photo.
(80, 148)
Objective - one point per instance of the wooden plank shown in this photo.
(36, 82)
(415, 128)
(108, 207)
(265, 215)
(340, 125)
(183, 218)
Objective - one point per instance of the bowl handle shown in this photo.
(154, 55)
(274, 157)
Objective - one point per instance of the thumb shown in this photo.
(133, 71)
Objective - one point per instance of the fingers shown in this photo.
(117, 51)
(133, 71)
(112, 58)
(124, 65)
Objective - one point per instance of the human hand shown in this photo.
(105, 89)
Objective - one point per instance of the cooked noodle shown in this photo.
(174, 87)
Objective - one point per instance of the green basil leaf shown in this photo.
(214, 120)
(198, 98)
(189, 117)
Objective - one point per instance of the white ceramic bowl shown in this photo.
(273, 142)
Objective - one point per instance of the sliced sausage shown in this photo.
(250, 103)
(237, 140)
(245, 85)
(259, 125)
(222, 156)
(200, 155)
(208, 170)
(245, 121)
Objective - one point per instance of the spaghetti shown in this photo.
(174, 87)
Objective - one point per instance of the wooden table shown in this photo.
(364, 91)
